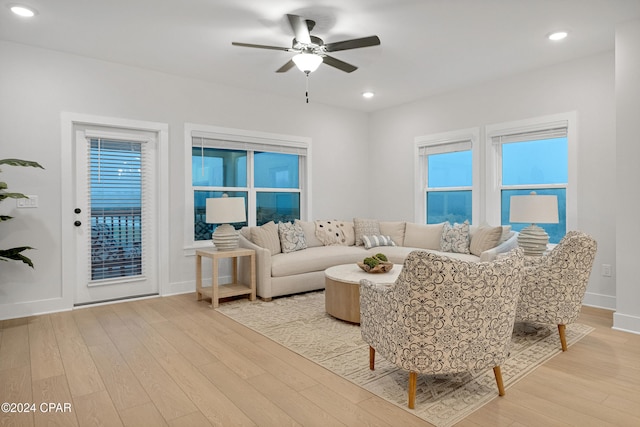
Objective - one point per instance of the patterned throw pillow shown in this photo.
(455, 238)
(332, 232)
(365, 227)
(377, 240)
(291, 237)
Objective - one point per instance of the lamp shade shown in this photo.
(534, 209)
(307, 62)
(225, 210)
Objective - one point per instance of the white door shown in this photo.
(115, 214)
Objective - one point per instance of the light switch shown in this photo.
(31, 202)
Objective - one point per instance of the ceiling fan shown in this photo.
(311, 51)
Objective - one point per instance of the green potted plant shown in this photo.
(14, 253)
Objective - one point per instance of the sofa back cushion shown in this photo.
(394, 229)
(266, 236)
(485, 238)
(423, 236)
(309, 229)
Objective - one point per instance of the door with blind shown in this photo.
(115, 218)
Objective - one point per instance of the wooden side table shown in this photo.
(217, 291)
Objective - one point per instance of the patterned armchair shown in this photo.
(443, 315)
(555, 283)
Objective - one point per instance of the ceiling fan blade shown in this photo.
(286, 67)
(352, 44)
(300, 28)
(340, 65)
(261, 46)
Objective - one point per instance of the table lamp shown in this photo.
(534, 209)
(224, 211)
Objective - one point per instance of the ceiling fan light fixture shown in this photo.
(307, 62)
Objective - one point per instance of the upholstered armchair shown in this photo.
(555, 283)
(443, 315)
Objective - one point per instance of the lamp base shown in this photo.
(533, 240)
(225, 237)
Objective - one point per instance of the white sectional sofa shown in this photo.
(291, 258)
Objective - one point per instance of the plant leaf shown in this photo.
(5, 218)
(18, 162)
(4, 195)
(14, 254)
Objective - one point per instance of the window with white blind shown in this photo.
(447, 165)
(269, 171)
(118, 185)
(534, 156)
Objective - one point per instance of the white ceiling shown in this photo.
(427, 46)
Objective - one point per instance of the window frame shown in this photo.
(494, 162)
(251, 141)
(438, 142)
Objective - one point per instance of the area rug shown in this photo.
(301, 324)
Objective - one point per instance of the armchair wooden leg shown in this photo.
(413, 379)
(372, 358)
(498, 374)
(563, 337)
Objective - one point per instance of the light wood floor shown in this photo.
(174, 361)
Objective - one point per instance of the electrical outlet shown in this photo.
(606, 270)
(29, 202)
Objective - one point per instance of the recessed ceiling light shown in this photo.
(367, 94)
(557, 36)
(24, 11)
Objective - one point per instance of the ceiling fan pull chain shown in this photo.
(307, 91)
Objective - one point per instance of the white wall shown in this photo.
(36, 85)
(585, 86)
(627, 316)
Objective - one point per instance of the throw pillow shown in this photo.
(266, 236)
(485, 238)
(309, 229)
(455, 238)
(365, 227)
(395, 229)
(423, 236)
(332, 232)
(291, 237)
(377, 240)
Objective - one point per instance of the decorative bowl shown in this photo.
(383, 267)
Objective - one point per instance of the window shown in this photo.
(446, 170)
(530, 157)
(268, 171)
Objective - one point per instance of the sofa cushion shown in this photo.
(485, 238)
(423, 236)
(291, 237)
(315, 259)
(309, 229)
(266, 236)
(395, 229)
(397, 254)
(365, 227)
(455, 238)
(377, 240)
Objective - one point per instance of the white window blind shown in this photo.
(281, 147)
(444, 147)
(532, 133)
(119, 182)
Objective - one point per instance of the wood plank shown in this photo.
(15, 387)
(141, 416)
(195, 419)
(120, 381)
(54, 390)
(96, 409)
(14, 347)
(44, 352)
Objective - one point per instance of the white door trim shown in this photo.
(68, 248)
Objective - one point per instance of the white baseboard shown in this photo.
(33, 308)
(626, 323)
(599, 301)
